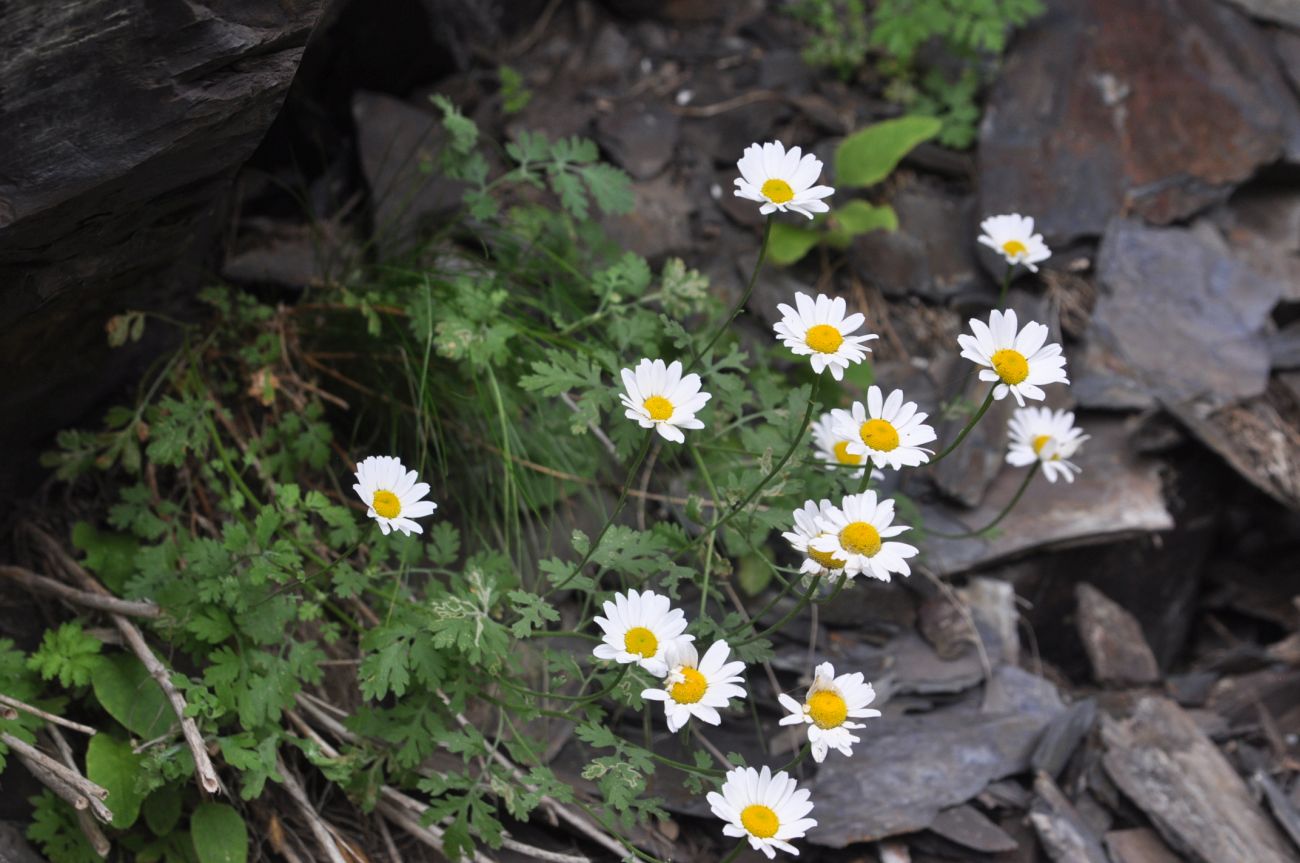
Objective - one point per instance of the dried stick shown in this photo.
(207, 774)
(88, 825)
(111, 604)
(9, 701)
(66, 782)
(553, 807)
(314, 821)
(395, 806)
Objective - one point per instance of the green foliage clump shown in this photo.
(843, 34)
(436, 667)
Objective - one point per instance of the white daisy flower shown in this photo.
(818, 329)
(855, 532)
(888, 431)
(1018, 361)
(639, 628)
(833, 448)
(827, 708)
(767, 810)
(659, 397)
(1045, 436)
(1013, 237)
(392, 494)
(780, 180)
(805, 531)
(695, 686)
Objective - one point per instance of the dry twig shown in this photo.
(99, 602)
(207, 774)
(9, 701)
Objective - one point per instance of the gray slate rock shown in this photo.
(398, 144)
(639, 136)
(115, 169)
(1173, 772)
(930, 255)
(1064, 833)
(918, 766)
(1117, 493)
(1113, 640)
(1212, 312)
(1285, 12)
(1063, 736)
(1160, 111)
(907, 770)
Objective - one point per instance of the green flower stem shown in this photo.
(798, 607)
(754, 493)
(734, 852)
(839, 585)
(744, 298)
(1006, 284)
(866, 475)
(564, 633)
(800, 758)
(1003, 514)
(618, 507)
(687, 768)
(708, 555)
(786, 588)
(575, 699)
(961, 436)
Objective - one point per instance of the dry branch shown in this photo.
(14, 703)
(97, 601)
(66, 782)
(314, 821)
(88, 825)
(207, 774)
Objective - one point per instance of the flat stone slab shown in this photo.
(1167, 766)
(907, 770)
(1113, 639)
(1159, 111)
(1212, 309)
(1117, 493)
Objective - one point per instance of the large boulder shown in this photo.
(1152, 108)
(121, 125)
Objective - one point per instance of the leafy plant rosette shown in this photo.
(481, 677)
(862, 160)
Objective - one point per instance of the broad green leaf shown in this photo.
(858, 217)
(868, 156)
(109, 555)
(112, 764)
(789, 243)
(753, 574)
(162, 809)
(125, 689)
(219, 834)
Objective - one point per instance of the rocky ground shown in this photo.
(1134, 694)
(1113, 676)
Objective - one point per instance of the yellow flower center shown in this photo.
(880, 435)
(824, 339)
(860, 538)
(386, 504)
(1011, 366)
(1014, 247)
(658, 407)
(691, 689)
(843, 455)
(1040, 442)
(777, 191)
(825, 558)
(760, 820)
(641, 641)
(827, 708)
